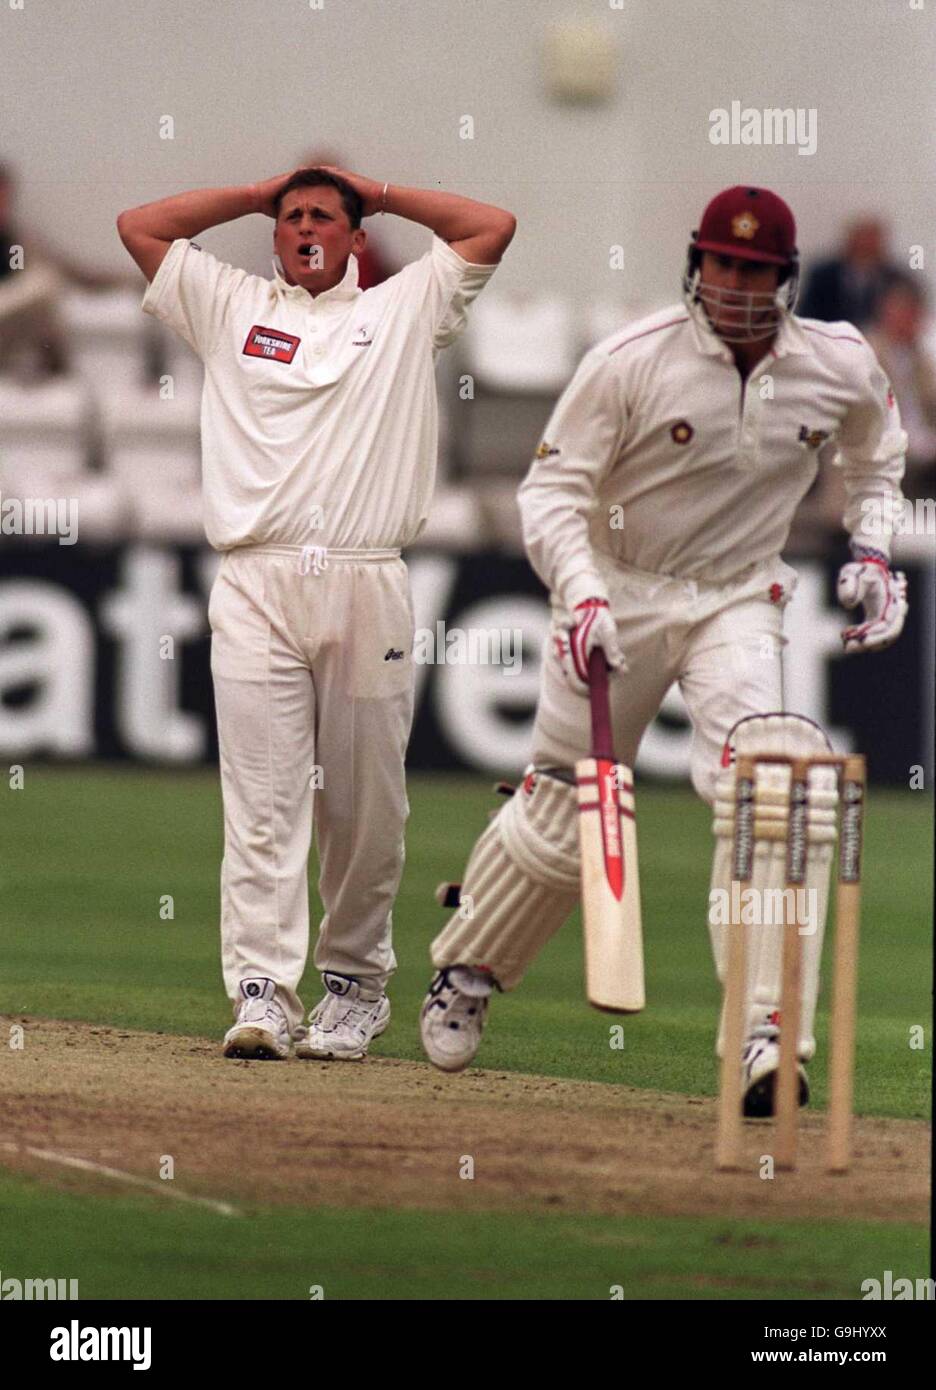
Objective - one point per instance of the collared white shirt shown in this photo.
(319, 416)
(658, 456)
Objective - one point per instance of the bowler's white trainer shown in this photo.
(343, 1024)
(261, 1031)
(452, 1016)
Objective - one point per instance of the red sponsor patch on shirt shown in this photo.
(271, 343)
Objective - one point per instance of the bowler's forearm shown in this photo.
(451, 217)
(187, 214)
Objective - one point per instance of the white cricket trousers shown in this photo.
(722, 643)
(311, 655)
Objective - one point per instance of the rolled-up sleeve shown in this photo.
(871, 453)
(558, 497)
(191, 293)
(441, 286)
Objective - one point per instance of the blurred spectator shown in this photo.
(849, 285)
(32, 278)
(897, 335)
(31, 340)
(373, 266)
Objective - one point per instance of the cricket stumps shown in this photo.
(747, 831)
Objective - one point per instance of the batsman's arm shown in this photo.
(148, 231)
(558, 497)
(872, 448)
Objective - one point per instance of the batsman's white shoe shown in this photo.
(761, 1062)
(451, 1020)
(343, 1024)
(261, 1031)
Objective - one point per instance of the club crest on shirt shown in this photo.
(812, 438)
(271, 343)
(681, 432)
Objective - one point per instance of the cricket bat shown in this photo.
(614, 968)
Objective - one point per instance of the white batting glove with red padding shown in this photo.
(869, 580)
(594, 627)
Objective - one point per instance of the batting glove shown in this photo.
(594, 627)
(869, 580)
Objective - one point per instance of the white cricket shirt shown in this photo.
(658, 457)
(319, 418)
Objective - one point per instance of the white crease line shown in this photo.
(68, 1162)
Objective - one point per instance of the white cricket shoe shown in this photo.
(261, 1031)
(451, 1020)
(761, 1062)
(342, 1025)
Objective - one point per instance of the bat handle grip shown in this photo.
(602, 745)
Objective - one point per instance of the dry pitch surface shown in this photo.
(387, 1133)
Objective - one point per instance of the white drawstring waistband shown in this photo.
(315, 559)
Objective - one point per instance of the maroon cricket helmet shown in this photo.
(751, 223)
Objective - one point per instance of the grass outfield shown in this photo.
(159, 1250)
(89, 855)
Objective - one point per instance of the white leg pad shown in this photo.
(521, 883)
(764, 909)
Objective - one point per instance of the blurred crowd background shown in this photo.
(99, 402)
(590, 119)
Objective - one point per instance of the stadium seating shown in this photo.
(121, 433)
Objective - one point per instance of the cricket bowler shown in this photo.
(319, 431)
(656, 511)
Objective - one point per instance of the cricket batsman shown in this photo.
(656, 511)
(319, 443)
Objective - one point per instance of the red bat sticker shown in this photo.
(610, 807)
